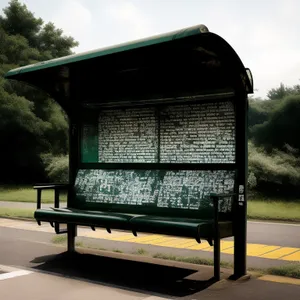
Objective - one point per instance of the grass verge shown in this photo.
(141, 251)
(274, 210)
(290, 270)
(59, 239)
(16, 213)
(192, 260)
(27, 194)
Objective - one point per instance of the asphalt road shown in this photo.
(281, 234)
(268, 233)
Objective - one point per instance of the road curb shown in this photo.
(280, 279)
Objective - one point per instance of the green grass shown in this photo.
(141, 251)
(117, 251)
(274, 210)
(290, 270)
(59, 239)
(79, 244)
(192, 260)
(26, 194)
(16, 213)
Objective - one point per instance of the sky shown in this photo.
(264, 33)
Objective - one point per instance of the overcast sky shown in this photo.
(264, 33)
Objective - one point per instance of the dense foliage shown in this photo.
(31, 123)
(274, 157)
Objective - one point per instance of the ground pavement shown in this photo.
(32, 268)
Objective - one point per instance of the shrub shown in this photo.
(57, 167)
(275, 169)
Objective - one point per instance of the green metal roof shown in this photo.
(167, 37)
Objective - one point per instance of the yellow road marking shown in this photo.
(202, 246)
(145, 239)
(293, 257)
(157, 242)
(280, 279)
(228, 250)
(123, 238)
(167, 241)
(226, 245)
(279, 253)
(258, 249)
(186, 245)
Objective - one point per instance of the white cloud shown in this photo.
(130, 18)
(74, 18)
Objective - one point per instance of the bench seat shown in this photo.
(184, 227)
(84, 217)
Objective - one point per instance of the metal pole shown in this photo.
(56, 197)
(240, 212)
(39, 198)
(71, 237)
(217, 250)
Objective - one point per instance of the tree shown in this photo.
(52, 41)
(19, 21)
(31, 123)
(282, 127)
(283, 91)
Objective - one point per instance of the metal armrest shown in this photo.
(51, 186)
(56, 187)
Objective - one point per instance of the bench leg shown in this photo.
(217, 247)
(217, 259)
(72, 228)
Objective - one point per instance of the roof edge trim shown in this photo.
(157, 39)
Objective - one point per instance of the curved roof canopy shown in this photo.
(185, 58)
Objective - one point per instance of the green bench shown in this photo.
(158, 139)
(208, 218)
(197, 223)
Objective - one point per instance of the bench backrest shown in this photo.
(180, 193)
(158, 159)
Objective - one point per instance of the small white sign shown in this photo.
(241, 198)
(241, 189)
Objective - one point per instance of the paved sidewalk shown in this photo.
(118, 276)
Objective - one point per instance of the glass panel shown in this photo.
(190, 133)
(186, 189)
(128, 136)
(198, 133)
(89, 143)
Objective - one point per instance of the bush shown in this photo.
(275, 169)
(282, 126)
(57, 167)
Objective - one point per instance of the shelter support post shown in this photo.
(240, 209)
(72, 228)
